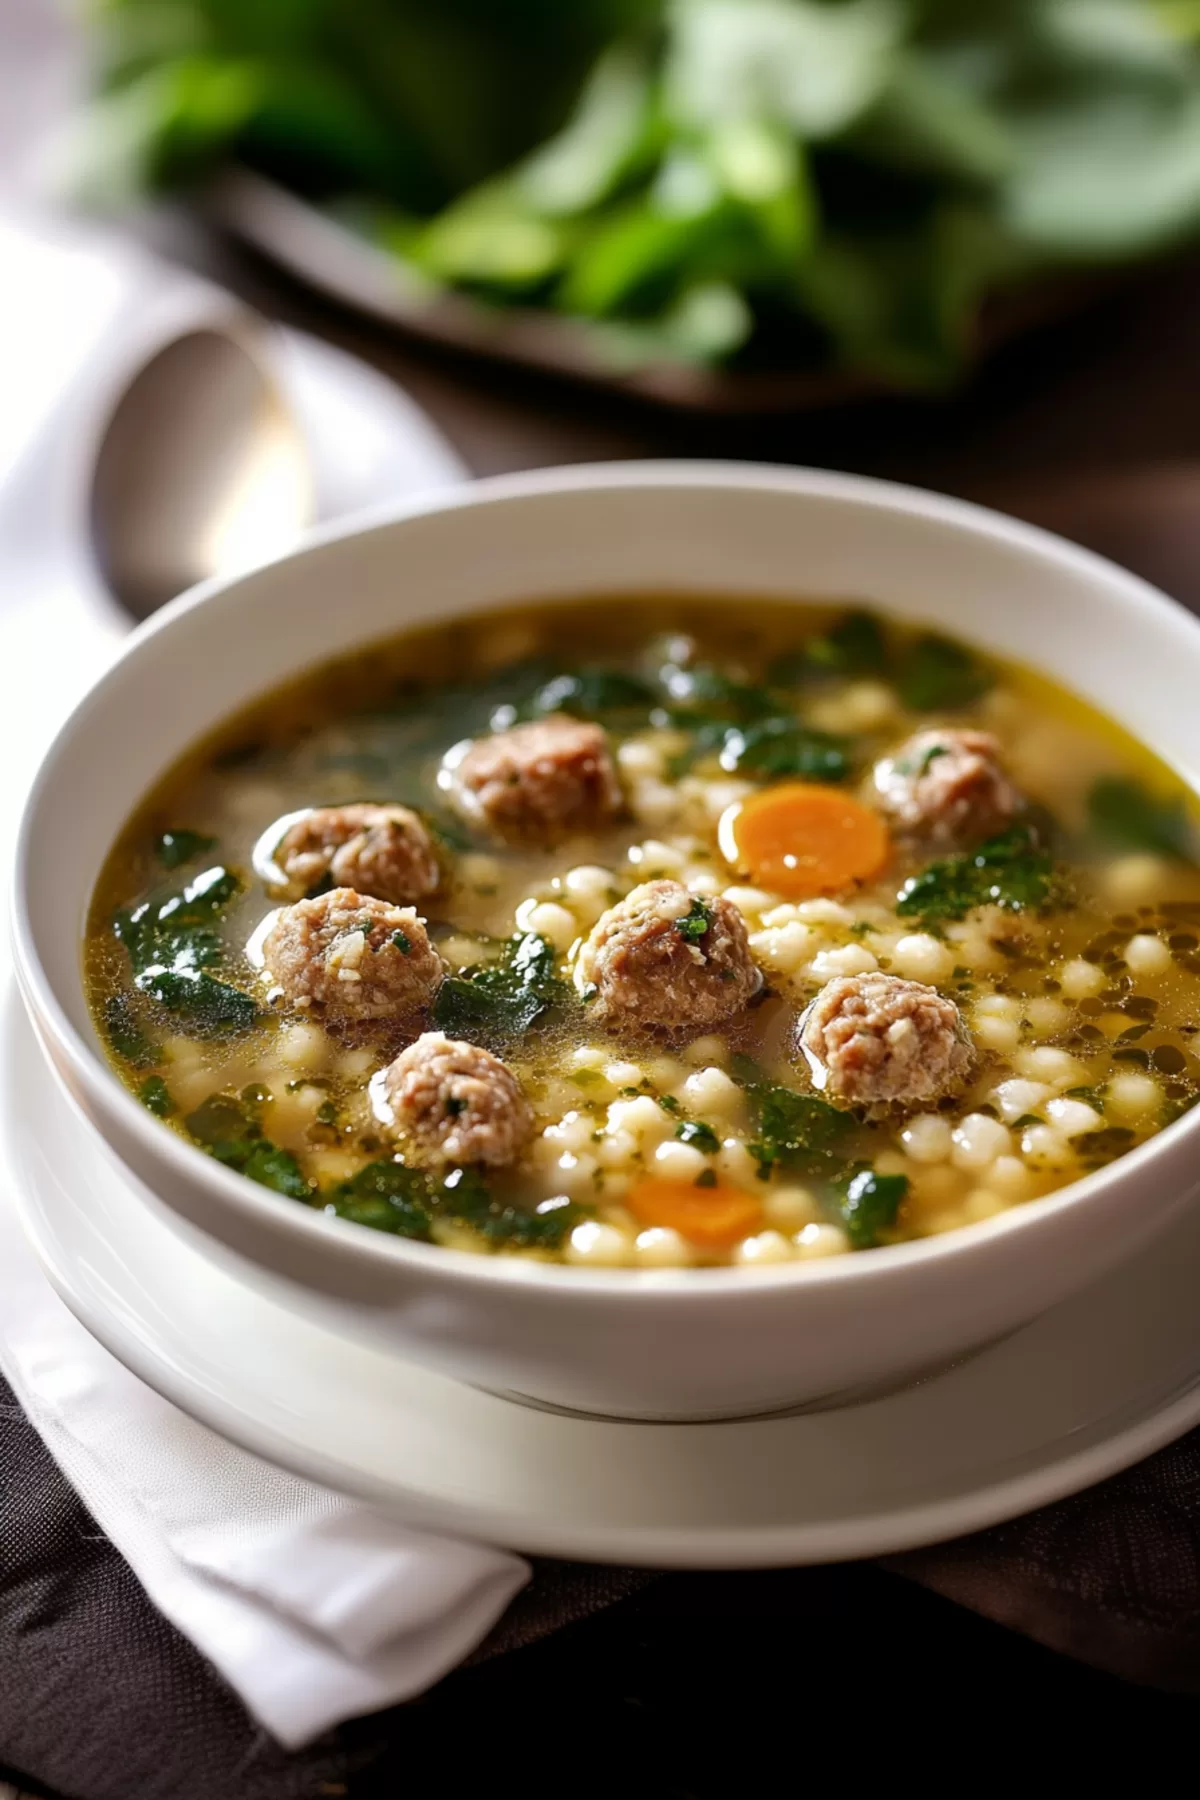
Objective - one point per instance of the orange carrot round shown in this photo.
(712, 1218)
(800, 839)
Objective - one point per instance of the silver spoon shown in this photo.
(202, 470)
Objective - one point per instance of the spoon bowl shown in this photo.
(202, 471)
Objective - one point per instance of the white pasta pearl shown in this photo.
(679, 1162)
(751, 901)
(551, 921)
(1073, 1117)
(616, 1149)
(927, 1138)
(849, 959)
(624, 1074)
(717, 797)
(575, 1174)
(1131, 1097)
(868, 705)
(1146, 954)
(654, 803)
(765, 1247)
(997, 1033)
(665, 1072)
(1047, 1016)
(978, 1141)
(656, 858)
(588, 1056)
(638, 758)
(598, 1245)
(922, 958)
(982, 1203)
(572, 1132)
(1080, 979)
(820, 1240)
(302, 1046)
(998, 1006)
(1051, 1065)
(701, 1052)
(1132, 879)
(786, 947)
(477, 870)
(1045, 1147)
(700, 881)
(790, 1208)
(1016, 1098)
(736, 1165)
(643, 1118)
(891, 1162)
(824, 912)
(1009, 1176)
(661, 1248)
(712, 1091)
(356, 1065)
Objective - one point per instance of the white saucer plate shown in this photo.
(1087, 1389)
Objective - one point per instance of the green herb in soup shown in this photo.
(760, 934)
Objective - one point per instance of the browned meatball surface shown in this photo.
(947, 787)
(540, 781)
(879, 1042)
(353, 958)
(665, 960)
(451, 1102)
(380, 850)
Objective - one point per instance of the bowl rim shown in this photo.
(363, 1244)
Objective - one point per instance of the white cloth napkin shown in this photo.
(313, 1607)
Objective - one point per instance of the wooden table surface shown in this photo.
(714, 1686)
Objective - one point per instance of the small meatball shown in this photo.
(666, 960)
(541, 781)
(380, 850)
(452, 1102)
(878, 1042)
(353, 958)
(947, 787)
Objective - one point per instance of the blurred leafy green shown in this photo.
(751, 181)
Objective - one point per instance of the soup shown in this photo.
(745, 934)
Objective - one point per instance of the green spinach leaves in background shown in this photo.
(762, 182)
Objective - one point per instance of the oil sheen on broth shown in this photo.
(913, 936)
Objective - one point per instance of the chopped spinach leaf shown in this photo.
(668, 1102)
(227, 1131)
(594, 693)
(936, 673)
(855, 645)
(782, 746)
(699, 1135)
(174, 848)
(1011, 871)
(696, 922)
(402, 941)
(175, 930)
(868, 1204)
(125, 1034)
(155, 1095)
(327, 1113)
(387, 1197)
(498, 1001)
(278, 1169)
(171, 944)
(210, 1008)
(1125, 815)
(798, 1131)
(707, 1178)
(465, 1198)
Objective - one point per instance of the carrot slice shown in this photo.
(800, 839)
(711, 1217)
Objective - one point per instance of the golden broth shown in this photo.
(1083, 1012)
